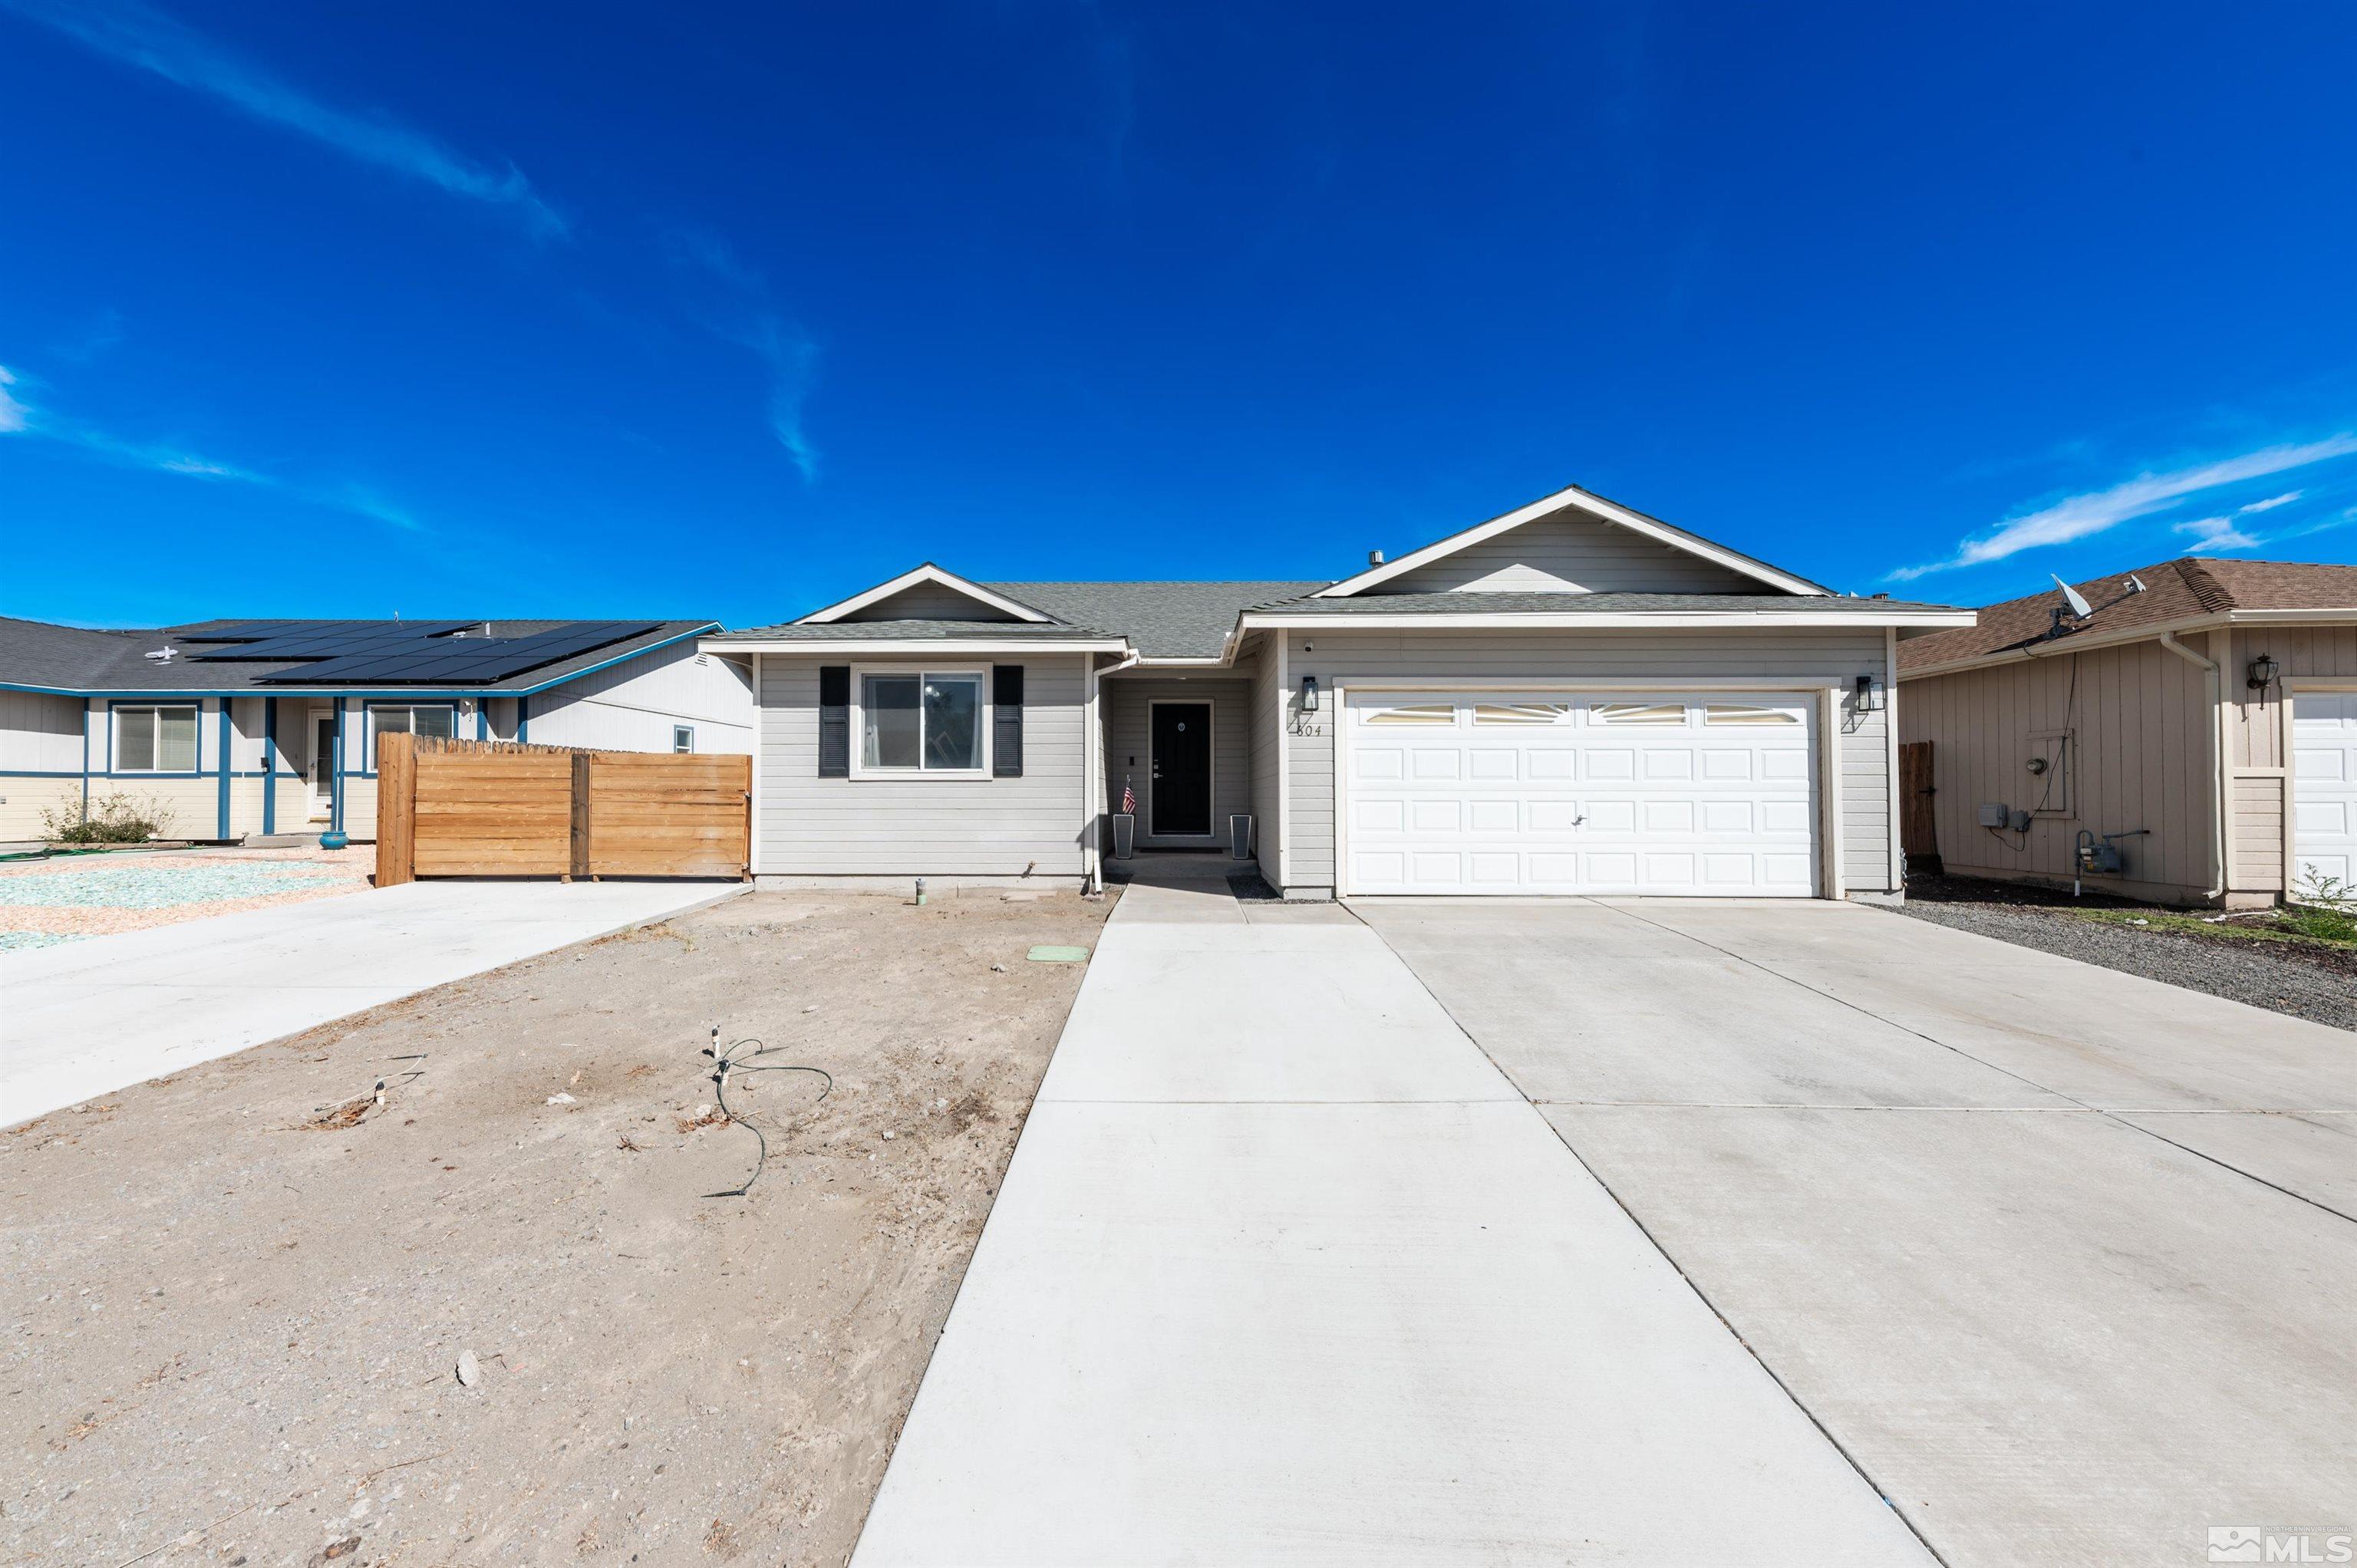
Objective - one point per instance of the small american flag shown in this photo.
(1128, 799)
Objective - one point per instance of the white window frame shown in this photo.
(368, 725)
(155, 712)
(979, 673)
(676, 732)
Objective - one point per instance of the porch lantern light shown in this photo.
(1310, 693)
(2263, 673)
(1869, 695)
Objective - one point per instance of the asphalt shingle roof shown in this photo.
(1378, 604)
(2181, 589)
(917, 631)
(78, 658)
(1162, 620)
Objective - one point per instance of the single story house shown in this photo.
(1570, 698)
(266, 726)
(2196, 718)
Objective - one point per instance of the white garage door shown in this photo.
(2324, 788)
(1580, 792)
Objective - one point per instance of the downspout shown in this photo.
(1093, 846)
(2212, 697)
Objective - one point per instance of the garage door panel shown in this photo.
(2324, 788)
(1679, 793)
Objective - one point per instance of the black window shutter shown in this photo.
(1007, 721)
(835, 721)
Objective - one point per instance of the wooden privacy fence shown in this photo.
(499, 808)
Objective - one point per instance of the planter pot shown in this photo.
(1239, 837)
(333, 839)
(1124, 835)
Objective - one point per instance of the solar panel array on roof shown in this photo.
(321, 640)
(459, 660)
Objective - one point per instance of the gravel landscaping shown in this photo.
(2317, 981)
(70, 897)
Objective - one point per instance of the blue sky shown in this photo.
(466, 309)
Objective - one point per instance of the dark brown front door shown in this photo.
(1181, 802)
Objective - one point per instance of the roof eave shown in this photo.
(1253, 620)
(2078, 642)
(822, 645)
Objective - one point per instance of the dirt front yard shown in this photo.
(256, 1316)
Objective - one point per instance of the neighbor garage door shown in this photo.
(1521, 792)
(2324, 790)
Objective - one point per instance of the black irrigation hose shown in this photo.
(725, 1062)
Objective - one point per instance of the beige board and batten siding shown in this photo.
(1813, 657)
(1128, 702)
(41, 759)
(810, 827)
(1554, 553)
(2258, 744)
(2138, 757)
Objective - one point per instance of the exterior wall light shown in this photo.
(1310, 693)
(1869, 695)
(2263, 674)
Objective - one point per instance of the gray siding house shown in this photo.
(1571, 698)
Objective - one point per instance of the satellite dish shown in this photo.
(2076, 600)
(2136, 584)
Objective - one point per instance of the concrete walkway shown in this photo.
(1284, 1270)
(85, 1018)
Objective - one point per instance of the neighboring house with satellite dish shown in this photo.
(244, 728)
(2185, 732)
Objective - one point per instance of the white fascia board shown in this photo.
(2291, 617)
(1254, 621)
(826, 647)
(2047, 648)
(927, 573)
(1609, 511)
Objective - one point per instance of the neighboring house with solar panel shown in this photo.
(248, 728)
(1570, 698)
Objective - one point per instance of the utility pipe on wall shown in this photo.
(2209, 720)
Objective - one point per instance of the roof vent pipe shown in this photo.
(1374, 557)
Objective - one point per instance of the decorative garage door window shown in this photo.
(1440, 714)
(1638, 712)
(1522, 792)
(1493, 714)
(1745, 714)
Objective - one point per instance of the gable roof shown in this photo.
(1161, 619)
(76, 660)
(1585, 500)
(2190, 589)
(923, 575)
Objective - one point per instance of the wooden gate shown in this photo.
(496, 808)
(1918, 835)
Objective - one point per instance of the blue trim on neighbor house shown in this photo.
(223, 816)
(482, 718)
(367, 739)
(112, 704)
(269, 766)
(336, 771)
(85, 759)
(523, 719)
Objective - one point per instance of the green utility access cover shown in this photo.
(1059, 955)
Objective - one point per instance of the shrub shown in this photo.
(118, 818)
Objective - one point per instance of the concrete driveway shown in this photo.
(2063, 1258)
(88, 1018)
(1286, 1272)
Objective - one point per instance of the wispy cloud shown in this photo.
(139, 35)
(2076, 517)
(19, 418)
(2271, 502)
(2217, 533)
(14, 415)
(745, 314)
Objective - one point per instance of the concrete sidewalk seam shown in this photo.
(1668, 1257)
(2117, 1117)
